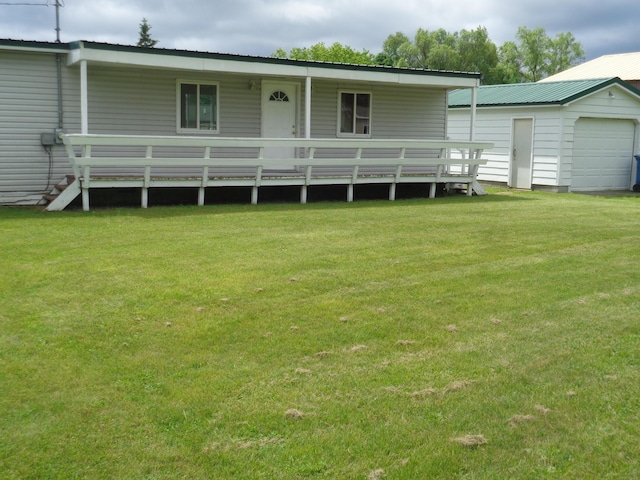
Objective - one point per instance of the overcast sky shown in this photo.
(259, 27)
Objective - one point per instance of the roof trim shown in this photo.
(559, 101)
(123, 55)
(33, 46)
(268, 60)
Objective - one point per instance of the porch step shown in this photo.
(62, 194)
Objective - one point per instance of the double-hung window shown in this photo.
(198, 107)
(354, 118)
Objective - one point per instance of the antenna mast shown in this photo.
(58, 21)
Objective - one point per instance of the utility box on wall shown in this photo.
(48, 139)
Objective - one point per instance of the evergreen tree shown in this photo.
(145, 35)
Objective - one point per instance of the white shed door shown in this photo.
(521, 154)
(602, 154)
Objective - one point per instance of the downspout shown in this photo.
(307, 108)
(59, 72)
(59, 69)
(84, 98)
(474, 102)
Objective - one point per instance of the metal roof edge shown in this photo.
(606, 82)
(596, 88)
(80, 44)
(33, 45)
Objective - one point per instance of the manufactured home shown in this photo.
(574, 135)
(113, 116)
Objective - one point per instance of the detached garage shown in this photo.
(578, 135)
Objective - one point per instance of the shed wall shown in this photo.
(620, 106)
(496, 124)
(554, 132)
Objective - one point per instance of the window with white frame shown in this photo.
(198, 107)
(355, 114)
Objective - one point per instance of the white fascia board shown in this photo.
(393, 77)
(33, 49)
(178, 62)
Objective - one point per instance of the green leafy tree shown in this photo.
(467, 50)
(479, 54)
(535, 55)
(336, 53)
(565, 53)
(145, 39)
(531, 57)
(391, 54)
(508, 68)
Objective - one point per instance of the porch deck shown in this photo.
(121, 161)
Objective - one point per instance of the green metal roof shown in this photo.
(547, 93)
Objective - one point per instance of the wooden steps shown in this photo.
(62, 193)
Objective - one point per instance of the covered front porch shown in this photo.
(153, 118)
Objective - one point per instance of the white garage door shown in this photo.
(602, 154)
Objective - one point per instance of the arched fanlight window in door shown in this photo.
(279, 96)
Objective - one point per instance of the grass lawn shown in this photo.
(483, 338)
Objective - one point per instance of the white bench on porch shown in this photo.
(118, 161)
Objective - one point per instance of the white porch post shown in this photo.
(84, 98)
(307, 108)
(307, 133)
(474, 102)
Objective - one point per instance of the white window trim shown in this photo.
(196, 131)
(339, 123)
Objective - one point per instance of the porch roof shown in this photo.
(123, 55)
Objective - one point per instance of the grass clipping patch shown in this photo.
(294, 414)
(471, 440)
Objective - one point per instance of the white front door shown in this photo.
(521, 153)
(279, 116)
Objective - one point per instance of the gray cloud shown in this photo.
(259, 27)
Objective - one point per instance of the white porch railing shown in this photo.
(110, 161)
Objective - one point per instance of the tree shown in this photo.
(530, 58)
(536, 56)
(467, 50)
(479, 54)
(336, 53)
(565, 53)
(145, 35)
(391, 55)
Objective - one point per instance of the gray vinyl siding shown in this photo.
(138, 101)
(28, 107)
(143, 102)
(396, 112)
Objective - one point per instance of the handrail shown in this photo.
(183, 141)
(448, 167)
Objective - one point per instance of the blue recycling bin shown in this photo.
(636, 187)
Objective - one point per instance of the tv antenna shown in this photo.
(56, 3)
